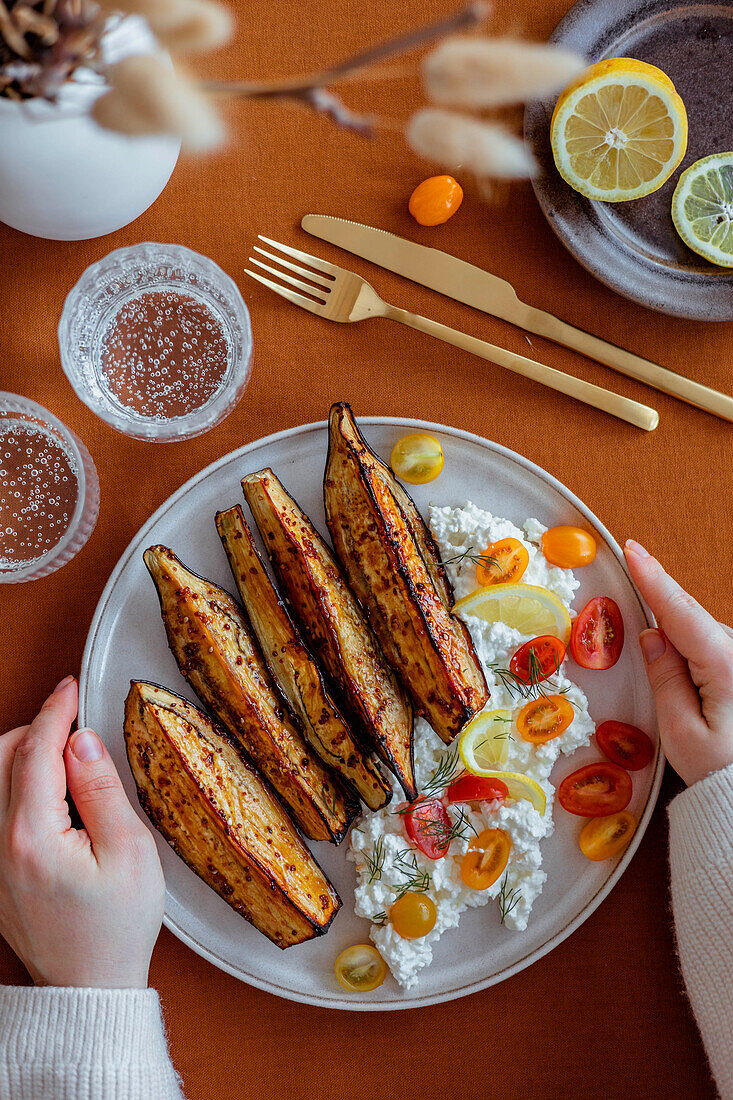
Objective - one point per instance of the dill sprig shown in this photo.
(379, 918)
(460, 829)
(329, 798)
(374, 860)
(508, 899)
(444, 773)
(537, 685)
(460, 560)
(415, 879)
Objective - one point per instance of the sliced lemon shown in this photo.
(702, 208)
(484, 742)
(525, 607)
(619, 131)
(519, 786)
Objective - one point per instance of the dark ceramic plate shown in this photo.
(633, 246)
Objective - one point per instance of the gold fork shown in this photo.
(340, 295)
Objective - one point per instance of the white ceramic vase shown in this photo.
(65, 178)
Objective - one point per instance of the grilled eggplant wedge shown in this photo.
(333, 623)
(220, 817)
(393, 566)
(209, 637)
(292, 666)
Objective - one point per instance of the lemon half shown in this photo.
(702, 208)
(619, 131)
(525, 607)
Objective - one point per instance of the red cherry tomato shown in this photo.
(596, 790)
(625, 745)
(475, 788)
(429, 827)
(597, 637)
(538, 659)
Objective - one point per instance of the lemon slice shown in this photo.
(525, 607)
(619, 131)
(484, 742)
(702, 208)
(519, 786)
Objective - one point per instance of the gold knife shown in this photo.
(475, 287)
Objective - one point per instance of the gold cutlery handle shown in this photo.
(623, 407)
(643, 370)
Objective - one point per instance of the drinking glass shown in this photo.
(156, 340)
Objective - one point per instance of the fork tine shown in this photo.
(307, 287)
(291, 295)
(294, 267)
(305, 257)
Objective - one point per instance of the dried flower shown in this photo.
(44, 42)
(183, 26)
(457, 141)
(148, 96)
(483, 72)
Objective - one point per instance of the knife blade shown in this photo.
(475, 287)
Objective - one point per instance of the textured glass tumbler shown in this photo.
(49, 491)
(125, 285)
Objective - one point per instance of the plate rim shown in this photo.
(412, 1001)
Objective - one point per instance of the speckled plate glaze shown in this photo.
(633, 246)
(127, 640)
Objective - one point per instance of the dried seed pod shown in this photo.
(478, 73)
(183, 26)
(457, 141)
(147, 96)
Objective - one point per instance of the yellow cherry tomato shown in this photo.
(603, 837)
(504, 562)
(417, 458)
(568, 547)
(413, 916)
(485, 859)
(360, 968)
(435, 200)
(542, 720)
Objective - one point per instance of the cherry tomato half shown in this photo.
(413, 915)
(485, 859)
(596, 790)
(625, 745)
(597, 637)
(429, 827)
(474, 788)
(568, 547)
(537, 659)
(543, 719)
(360, 968)
(603, 837)
(417, 458)
(504, 563)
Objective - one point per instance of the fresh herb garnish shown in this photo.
(415, 879)
(444, 773)
(330, 799)
(374, 861)
(460, 829)
(379, 918)
(508, 899)
(468, 555)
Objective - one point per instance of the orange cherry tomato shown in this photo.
(568, 547)
(485, 859)
(360, 968)
(413, 915)
(543, 719)
(435, 200)
(504, 563)
(596, 790)
(603, 837)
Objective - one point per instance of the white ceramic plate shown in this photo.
(127, 641)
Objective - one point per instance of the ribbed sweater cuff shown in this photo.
(701, 824)
(84, 1044)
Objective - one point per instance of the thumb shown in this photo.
(675, 694)
(97, 791)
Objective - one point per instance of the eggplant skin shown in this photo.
(334, 625)
(209, 638)
(393, 566)
(293, 668)
(218, 815)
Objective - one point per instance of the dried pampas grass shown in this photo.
(456, 141)
(481, 73)
(183, 26)
(148, 96)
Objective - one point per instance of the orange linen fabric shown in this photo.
(604, 1015)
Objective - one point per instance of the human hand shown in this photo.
(80, 907)
(689, 662)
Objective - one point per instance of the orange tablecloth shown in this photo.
(603, 1015)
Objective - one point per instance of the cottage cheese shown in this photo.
(380, 837)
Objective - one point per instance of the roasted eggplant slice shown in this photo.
(209, 637)
(220, 817)
(292, 666)
(393, 566)
(333, 624)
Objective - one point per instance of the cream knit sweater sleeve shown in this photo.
(83, 1044)
(701, 863)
